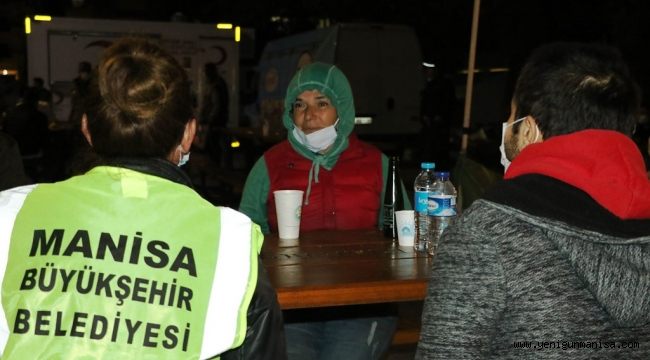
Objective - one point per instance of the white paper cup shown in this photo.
(405, 220)
(288, 205)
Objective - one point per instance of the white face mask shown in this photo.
(318, 140)
(184, 157)
(504, 159)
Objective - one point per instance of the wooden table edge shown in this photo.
(353, 294)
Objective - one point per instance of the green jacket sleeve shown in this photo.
(254, 195)
(405, 195)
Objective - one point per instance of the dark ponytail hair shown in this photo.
(140, 101)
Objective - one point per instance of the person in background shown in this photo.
(12, 173)
(44, 95)
(213, 116)
(343, 180)
(71, 144)
(80, 92)
(44, 98)
(25, 123)
(10, 93)
(138, 264)
(553, 262)
(29, 127)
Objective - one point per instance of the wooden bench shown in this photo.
(408, 323)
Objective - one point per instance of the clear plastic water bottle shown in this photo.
(424, 184)
(442, 209)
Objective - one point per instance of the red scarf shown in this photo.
(605, 164)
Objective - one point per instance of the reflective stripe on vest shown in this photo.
(230, 330)
(10, 203)
(118, 264)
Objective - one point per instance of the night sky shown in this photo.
(508, 31)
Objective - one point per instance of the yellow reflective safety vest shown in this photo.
(117, 264)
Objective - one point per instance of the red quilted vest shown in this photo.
(347, 197)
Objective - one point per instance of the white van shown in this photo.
(57, 45)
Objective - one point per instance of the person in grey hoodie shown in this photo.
(554, 262)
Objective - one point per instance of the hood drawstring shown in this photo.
(313, 175)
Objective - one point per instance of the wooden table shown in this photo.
(332, 268)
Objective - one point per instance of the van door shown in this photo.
(383, 64)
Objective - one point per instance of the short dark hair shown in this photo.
(569, 87)
(140, 101)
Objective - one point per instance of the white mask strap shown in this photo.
(184, 158)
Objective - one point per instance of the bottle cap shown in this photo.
(428, 165)
(443, 174)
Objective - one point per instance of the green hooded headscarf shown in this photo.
(331, 82)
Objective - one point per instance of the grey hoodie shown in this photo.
(539, 273)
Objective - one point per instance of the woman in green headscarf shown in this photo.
(343, 179)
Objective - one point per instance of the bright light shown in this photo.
(42, 18)
(323, 23)
(9, 72)
(429, 65)
(235, 144)
(363, 120)
(237, 34)
(498, 70)
(224, 26)
(28, 25)
(490, 70)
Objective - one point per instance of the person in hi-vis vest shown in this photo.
(127, 261)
